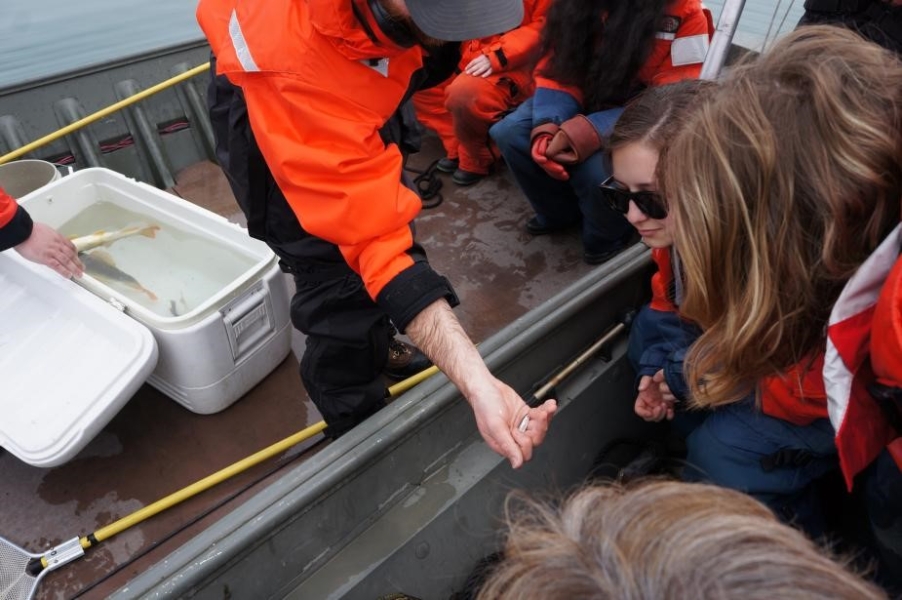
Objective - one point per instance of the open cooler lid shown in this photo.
(68, 362)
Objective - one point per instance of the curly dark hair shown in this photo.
(617, 45)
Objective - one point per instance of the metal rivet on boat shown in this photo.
(422, 550)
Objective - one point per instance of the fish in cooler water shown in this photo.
(100, 265)
(105, 238)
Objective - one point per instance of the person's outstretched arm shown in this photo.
(37, 242)
(499, 410)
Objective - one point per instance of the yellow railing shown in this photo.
(103, 113)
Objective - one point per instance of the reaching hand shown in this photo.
(539, 149)
(500, 412)
(480, 66)
(650, 404)
(48, 247)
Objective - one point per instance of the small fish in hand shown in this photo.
(105, 238)
(100, 265)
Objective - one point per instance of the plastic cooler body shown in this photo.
(213, 354)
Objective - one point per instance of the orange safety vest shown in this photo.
(318, 89)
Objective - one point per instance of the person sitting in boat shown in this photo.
(595, 57)
(301, 143)
(658, 336)
(495, 76)
(780, 189)
(37, 242)
(880, 21)
(657, 540)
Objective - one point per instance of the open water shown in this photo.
(42, 38)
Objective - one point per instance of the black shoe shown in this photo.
(535, 227)
(447, 165)
(465, 178)
(404, 360)
(592, 258)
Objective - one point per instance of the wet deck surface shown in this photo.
(155, 447)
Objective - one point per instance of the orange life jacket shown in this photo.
(318, 89)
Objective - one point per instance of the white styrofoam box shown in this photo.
(229, 337)
(68, 363)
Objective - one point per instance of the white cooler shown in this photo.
(195, 307)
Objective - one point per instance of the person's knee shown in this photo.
(511, 133)
(463, 94)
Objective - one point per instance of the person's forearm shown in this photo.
(438, 333)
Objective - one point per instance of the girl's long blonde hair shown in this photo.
(780, 186)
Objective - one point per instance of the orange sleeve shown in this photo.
(340, 179)
(8, 208)
(546, 82)
(519, 47)
(681, 54)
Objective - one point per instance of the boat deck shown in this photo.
(155, 447)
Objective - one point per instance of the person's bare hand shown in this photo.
(48, 247)
(500, 412)
(650, 404)
(666, 394)
(480, 66)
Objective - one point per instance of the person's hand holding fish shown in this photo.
(46, 246)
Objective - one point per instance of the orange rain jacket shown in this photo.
(318, 88)
(15, 223)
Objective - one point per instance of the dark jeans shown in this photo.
(775, 461)
(561, 203)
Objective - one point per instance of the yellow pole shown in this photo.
(200, 486)
(102, 113)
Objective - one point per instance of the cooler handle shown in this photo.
(248, 320)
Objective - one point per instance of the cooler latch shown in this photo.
(248, 320)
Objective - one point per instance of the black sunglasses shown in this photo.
(618, 198)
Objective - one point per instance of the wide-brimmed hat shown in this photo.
(459, 20)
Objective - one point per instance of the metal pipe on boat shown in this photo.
(196, 110)
(591, 351)
(83, 144)
(11, 131)
(723, 38)
(100, 114)
(146, 136)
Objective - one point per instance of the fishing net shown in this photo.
(16, 583)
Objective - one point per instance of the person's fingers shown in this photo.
(506, 446)
(644, 382)
(557, 171)
(659, 376)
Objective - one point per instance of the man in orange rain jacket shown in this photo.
(317, 81)
(37, 242)
(495, 76)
